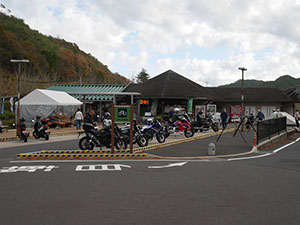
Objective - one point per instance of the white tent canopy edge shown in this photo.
(46, 102)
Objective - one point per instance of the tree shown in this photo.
(142, 77)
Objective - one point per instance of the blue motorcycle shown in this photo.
(153, 128)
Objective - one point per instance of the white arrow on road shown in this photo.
(167, 166)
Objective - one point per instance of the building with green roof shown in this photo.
(76, 89)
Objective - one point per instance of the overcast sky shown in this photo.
(204, 40)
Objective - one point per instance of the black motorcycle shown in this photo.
(138, 137)
(100, 138)
(21, 128)
(204, 124)
(41, 129)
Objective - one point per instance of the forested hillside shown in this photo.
(51, 60)
(283, 82)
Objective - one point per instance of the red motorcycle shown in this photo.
(181, 125)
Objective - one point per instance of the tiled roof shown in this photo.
(105, 88)
(171, 85)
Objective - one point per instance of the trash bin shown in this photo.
(211, 149)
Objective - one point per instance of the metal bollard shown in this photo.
(211, 149)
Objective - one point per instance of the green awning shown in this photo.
(105, 88)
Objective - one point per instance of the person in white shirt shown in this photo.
(78, 119)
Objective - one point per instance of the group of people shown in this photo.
(89, 117)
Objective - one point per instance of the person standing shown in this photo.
(260, 115)
(296, 115)
(199, 115)
(171, 114)
(224, 117)
(78, 119)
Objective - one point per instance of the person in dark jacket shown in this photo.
(224, 117)
(89, 117)
(260, 115)
(171, 114)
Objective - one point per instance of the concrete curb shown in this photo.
(275, 139)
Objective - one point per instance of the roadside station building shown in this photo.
(264, 99)
(170, 89)
(167, 90)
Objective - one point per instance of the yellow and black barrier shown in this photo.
(77, 156)
(78, 151)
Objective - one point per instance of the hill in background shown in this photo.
(52, 60)
(282, 83)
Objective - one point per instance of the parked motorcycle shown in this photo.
(21, 128)
(41, 129)
(154, 128)
(138, 137)
(100, 138)
(204, 124)
(182, 125)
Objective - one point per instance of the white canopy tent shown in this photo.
(45, 103)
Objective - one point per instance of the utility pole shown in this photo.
(242, 94)
(18, 88)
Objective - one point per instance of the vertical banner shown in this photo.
(11, 101)
(190, 106)
(3, 106)
(122, 114)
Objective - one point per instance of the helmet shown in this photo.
(22, 119)
(107, 115)
(107, 122)
(149, 121)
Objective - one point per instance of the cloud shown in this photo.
(204, 40)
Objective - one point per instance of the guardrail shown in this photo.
(269, 128)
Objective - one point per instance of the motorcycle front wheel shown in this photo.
(121, 144)
(34, 133)
(189, 132)
(46, 136)
(142, 141)
(215, 127)
(85, 143)
(160, 138)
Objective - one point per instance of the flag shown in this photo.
(11, 101)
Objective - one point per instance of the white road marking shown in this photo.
(267, 154)
(250, 157)
(167, 166)
(101, 167)
(30, 169)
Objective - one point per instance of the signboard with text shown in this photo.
(122, 114)
(190, 106)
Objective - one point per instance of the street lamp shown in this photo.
(19, 61)
(242, 91)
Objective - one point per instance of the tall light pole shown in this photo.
(19, 61)
(242, 91)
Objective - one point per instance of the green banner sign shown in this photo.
(190, 106)
(122, 114)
